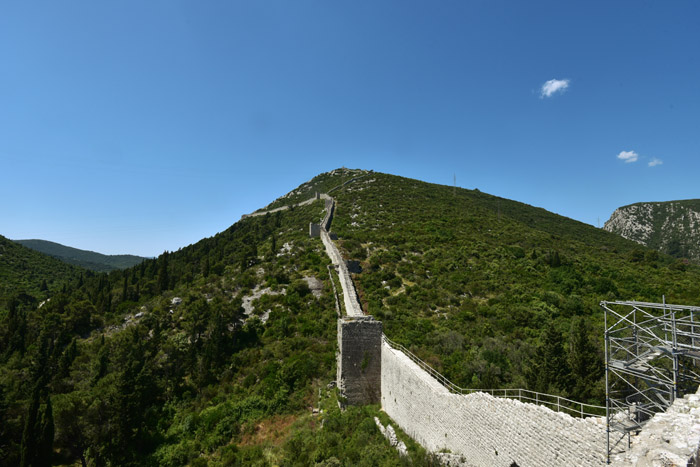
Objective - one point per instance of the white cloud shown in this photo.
(654, 162)
(628, 156)
(553, 86)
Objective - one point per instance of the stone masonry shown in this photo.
(477, 428)
(487, 431)
(352, 304)
(671, 438)
(314, 230)
(360, 359)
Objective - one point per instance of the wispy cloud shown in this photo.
(553, 86)
(654, 162)
(628, 156)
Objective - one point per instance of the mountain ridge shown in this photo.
(672, 227)
(26, 271)
(87, 259)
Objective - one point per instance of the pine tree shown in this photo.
(549, 370)
(584, 360)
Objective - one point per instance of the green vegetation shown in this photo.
(322, 183)
(217, 353)
(161, 364)
(29, 276)
(491, 292)
(85, 259)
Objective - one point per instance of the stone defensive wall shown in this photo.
(671, 438)
(485, 430)
(350, 300)
(284, 208)
(476, 427)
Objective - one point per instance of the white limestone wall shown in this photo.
(671, 438)
(352, 305)
(487, 431)
(286, 207)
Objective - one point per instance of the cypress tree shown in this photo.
(67, 358)
(45, 439)
(163, 273)
(28, 448)
(125, 288)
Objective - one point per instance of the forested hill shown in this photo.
(83, 258)
(210, 355)
(28, 272)
(492, 292)
(215, 354)
(672, 226)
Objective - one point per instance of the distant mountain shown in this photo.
(25, 271)
(672, 227)
(83, 258)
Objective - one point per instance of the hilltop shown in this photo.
(672, 227)
(218, 352)
(470, 282)
(85, 259)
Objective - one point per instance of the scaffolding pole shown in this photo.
(650, 360)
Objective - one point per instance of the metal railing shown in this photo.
(557, 403)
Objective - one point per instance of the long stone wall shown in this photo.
(350, 300)
(485, 430)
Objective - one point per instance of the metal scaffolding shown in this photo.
(652, 356)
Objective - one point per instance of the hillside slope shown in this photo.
(490, 290)
(83, 258)
(211, 355)
(218, 352)
(672, 227)
(23, 270)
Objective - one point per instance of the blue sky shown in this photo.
(138, 127)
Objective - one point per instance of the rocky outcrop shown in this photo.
(672, 227)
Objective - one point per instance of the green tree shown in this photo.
(163, 280)
(16, 327)
(584, 360)
(37, 437)
(67, 358)
(549, 370)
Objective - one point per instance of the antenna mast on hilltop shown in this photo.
(454, 184)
